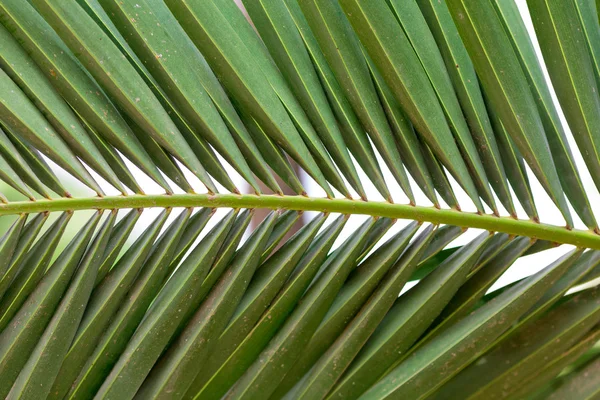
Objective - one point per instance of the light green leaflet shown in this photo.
(21, 115)
(226, 253)
(579, 269)
(242, 75)
(503, 80)
(276, 158)
(115, 161)
(466, 85)
(407, 320)
(25, 171)
(104, 302)
(477, 284)
(24, 72)
(273, 21)
(333, 363)
(342, 51)
(406, 137)
(541, 384)
(440, 180)
(163, 160)
(13, 178)
(401, 69)
(578, 384)
(354, 135)
(588, 16)
(513, 164)
(562, 40)
(203, 151)
(72, 81)
(281, 88)
(563, 158)
(442, 237)
(26, 239)
(286, 220)
(118, 77)
(424, 45)
(33, 160)
(118, 236)
(36, 378)
(448, 353)
(199, 146)
(193, 227)
(164, 48)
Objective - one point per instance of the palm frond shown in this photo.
(407, 112)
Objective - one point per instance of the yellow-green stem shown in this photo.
(580, 238)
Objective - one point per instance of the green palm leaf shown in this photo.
(190, 211)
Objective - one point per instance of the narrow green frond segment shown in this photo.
(342, 51)
(514, 165)
(24, 118)
(281, 88)
(406, 138)
(198, 144)
(23, 71)
(152, 276)
(315, 382)
(32, 267)
(242, 75)
(503, 80)
(161, 158)
(11, 177)
(37, 376)
(423, 43)
(272, 20)
(23, 245)
(178, 298)
(46, 296)
(557, 139)
(72, 81)
(164, 48)
(562, 40)
(407, 319)
(442, 358)
(354, 135)
(401, 68)
(104, 302)
(283, 350)
(18, 162)
(272, 319)
(117, 76)
(16, 339)
(34, 159)
(466, 85)
(8, 243)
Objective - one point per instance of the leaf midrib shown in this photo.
(509, 225)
